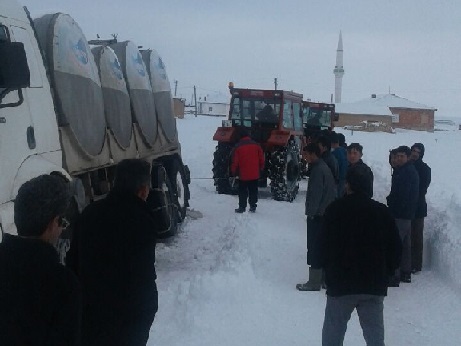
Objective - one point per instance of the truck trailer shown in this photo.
(75, 110)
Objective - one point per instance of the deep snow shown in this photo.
(229, 279)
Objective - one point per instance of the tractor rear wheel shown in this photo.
(284, 172)
(221, 168)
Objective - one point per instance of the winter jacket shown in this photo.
(370, 172)
(247, 159)
(424, 173)
(403, 198)
(332, 163)
(113, 254)
(341, 157)
(360, 246)
(321, 189)
(40, 299)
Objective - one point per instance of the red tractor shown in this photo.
(317, 118)
(274, 119)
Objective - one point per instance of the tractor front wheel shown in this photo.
(284, 172)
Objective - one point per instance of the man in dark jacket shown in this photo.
(40, 299)
(324, 143)
(417, 224)
(402, 202)
(247, 163)
(321, 191)
(354, 157)
(360, 249)
(113, 254)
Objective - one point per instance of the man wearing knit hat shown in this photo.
(417, 224)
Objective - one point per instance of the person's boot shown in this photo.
(252, 209)
(314, 283)
(240, 210)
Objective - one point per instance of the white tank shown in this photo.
(139, 88)
(115, 94)
(74, 79)
(162, 93)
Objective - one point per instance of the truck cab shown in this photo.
(29, 137)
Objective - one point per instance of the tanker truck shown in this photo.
(75, 110)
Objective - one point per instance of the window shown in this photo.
(298, 116)
(210, 109)
(287, 115)
(247, 111)
(317, 117)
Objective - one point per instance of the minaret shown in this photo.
(339, 70)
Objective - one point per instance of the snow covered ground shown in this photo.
(229, 279)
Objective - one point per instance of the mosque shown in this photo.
(379, 111)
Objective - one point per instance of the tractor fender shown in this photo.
(279, 138)
(225, 134)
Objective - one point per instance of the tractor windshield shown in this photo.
(246, 111)
(316, 117)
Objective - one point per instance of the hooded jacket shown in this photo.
(247, 159)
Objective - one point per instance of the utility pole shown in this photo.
(275, 83)
(195, 100)
(175, 87)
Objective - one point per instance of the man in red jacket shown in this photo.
(247, 162)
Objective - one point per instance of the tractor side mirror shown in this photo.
(14, 71)
(335, 116)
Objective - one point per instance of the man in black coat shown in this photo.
(40, 299)
(354, 158)
(113, 254)
(360, 248)
(417, 224)
(402, 202)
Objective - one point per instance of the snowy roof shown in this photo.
(358, 108)
(392, 100)
(379, 105)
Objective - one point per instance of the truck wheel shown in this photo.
(180, 184)
(284, 172)
(221, 168)
(161, 200)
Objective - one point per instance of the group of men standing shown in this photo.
(106, 294)
(356, 246)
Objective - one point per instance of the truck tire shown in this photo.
(284, 172)
(161, 200)
(221, 169)
(180, 180)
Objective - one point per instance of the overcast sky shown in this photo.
(410, 47)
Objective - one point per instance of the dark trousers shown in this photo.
(417, 227)
(248, 190)
(117, 330)
(314, 227)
